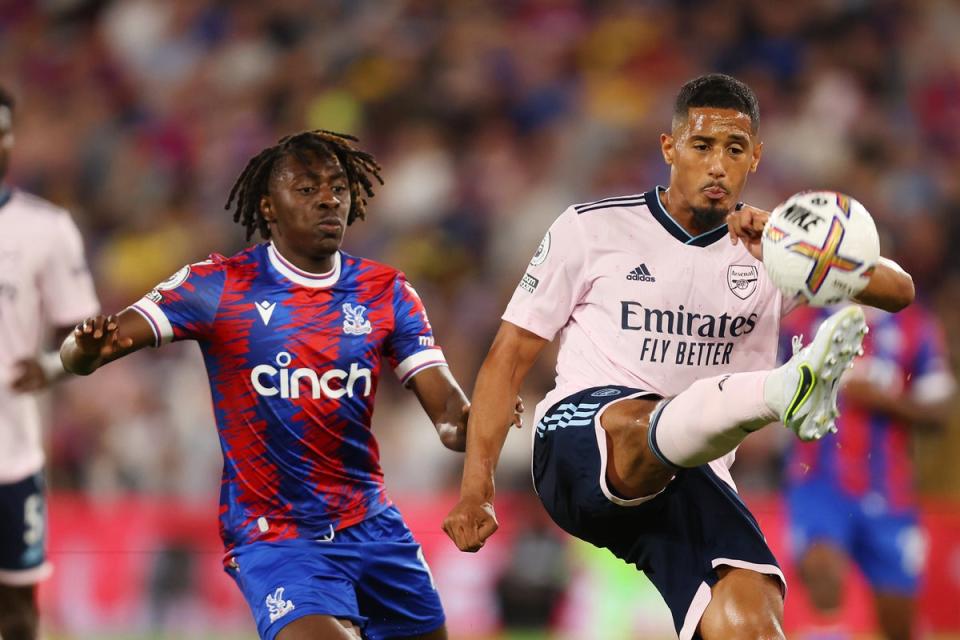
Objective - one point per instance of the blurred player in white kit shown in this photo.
(668, 329)
(45, 289)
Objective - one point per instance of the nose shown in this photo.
(327, 199)
(715, 167)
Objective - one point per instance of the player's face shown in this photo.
(308, 204)
(710, 156)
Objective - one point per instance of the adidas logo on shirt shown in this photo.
(641, 274)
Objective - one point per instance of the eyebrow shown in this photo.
(339, 175)
(734, 137)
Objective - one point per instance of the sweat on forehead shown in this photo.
(722, 121)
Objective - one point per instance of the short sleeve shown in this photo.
(554, 282)
(931, 378)
(66, 286)
(411, 347)
(184, 306)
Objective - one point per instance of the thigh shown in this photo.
(23, 532)
(436, 634)
(284, 582)
(570, 460)
(396, 592)
(315, 627)
(633, 469)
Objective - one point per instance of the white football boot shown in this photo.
(804, 390)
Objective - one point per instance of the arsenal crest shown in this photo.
(742, 280)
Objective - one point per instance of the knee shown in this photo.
(747, 607)
(626, 424)
(822, 568)
(625, 427)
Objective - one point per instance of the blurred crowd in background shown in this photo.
(489, 118)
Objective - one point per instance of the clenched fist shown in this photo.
(470, 523)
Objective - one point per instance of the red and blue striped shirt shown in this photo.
(870, 455)
(294, 361)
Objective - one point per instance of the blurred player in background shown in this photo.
(645, 295)
(853, 496)
(45, 288)
(294, 333)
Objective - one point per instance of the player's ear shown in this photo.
(757, 152)
(266, 209)
(667, 147)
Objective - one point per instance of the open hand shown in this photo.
(98, 337)
(746, 224)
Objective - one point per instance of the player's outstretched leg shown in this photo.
(807, 385)
(647, 441)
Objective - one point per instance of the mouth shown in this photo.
(715, 192)
(330, 226)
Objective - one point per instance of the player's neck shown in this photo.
(310, 264)
(683, 214)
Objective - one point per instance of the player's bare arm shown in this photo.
(102, 339)
(448, 407)
(890, 287)
(513, 352)
(446, 404)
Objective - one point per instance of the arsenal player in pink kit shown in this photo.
(294, 333)
(668, 333)
(45, 287)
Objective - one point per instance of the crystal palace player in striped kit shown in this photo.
(293, 333)
(854, 497)
(667, 337)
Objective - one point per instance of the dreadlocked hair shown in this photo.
(253, 183)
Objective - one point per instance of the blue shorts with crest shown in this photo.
(372, 573)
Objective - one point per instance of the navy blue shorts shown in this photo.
(23, 532)
(889, 547)
(678, 538)
(372, 573)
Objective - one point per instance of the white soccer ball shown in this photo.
(822, 245)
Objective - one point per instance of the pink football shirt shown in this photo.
(636, 301)
(44, 282)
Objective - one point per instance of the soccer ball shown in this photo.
(822, 245)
